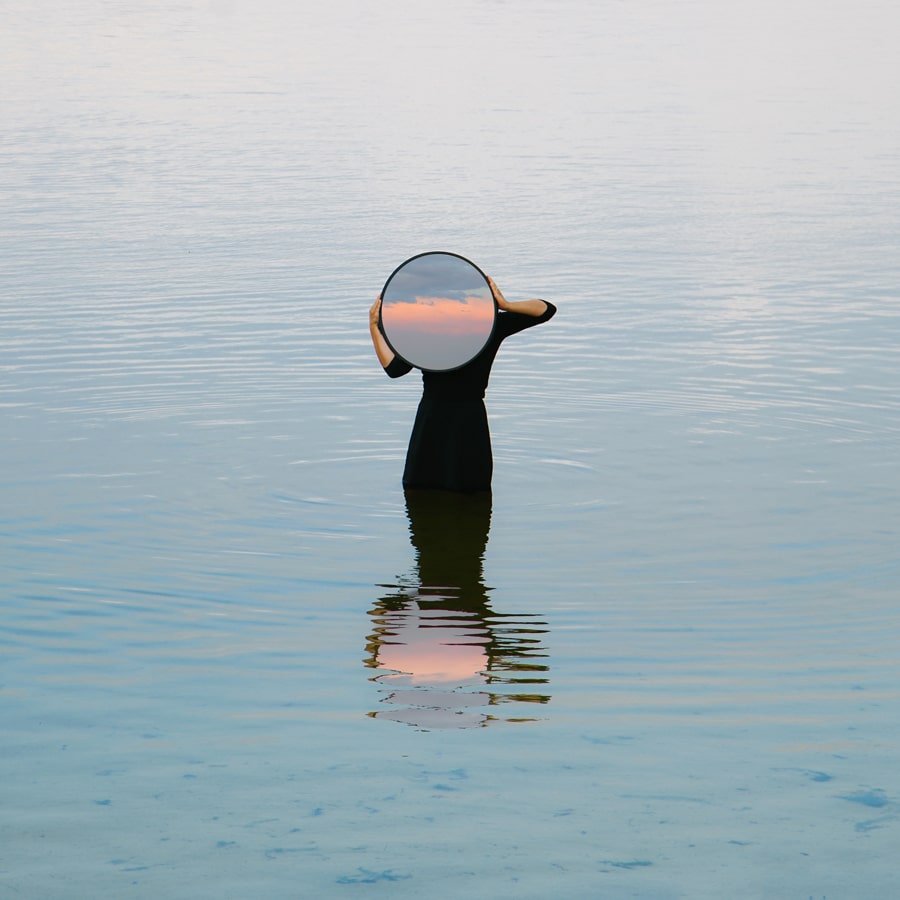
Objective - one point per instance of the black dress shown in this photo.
(450, 445)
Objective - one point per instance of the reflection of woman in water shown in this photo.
(443, 653)
(450, 446)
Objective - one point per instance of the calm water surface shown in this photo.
(661, 662)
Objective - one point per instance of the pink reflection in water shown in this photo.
(431, 647)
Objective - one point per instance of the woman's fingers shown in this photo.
(498, 294)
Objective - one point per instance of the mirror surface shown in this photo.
(437, 311)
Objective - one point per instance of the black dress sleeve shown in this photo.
(397, 367)
(512, 322)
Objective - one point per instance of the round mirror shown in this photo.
(437, 311)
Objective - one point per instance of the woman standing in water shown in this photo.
(450, 445)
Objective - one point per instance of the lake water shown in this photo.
(661, 663)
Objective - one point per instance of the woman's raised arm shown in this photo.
(526, 307)
(382, 350)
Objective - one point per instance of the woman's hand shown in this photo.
(374, 313)
(382, 350)
(500, 300)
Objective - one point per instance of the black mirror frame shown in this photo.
(387, 336)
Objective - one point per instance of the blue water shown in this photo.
(661, 664)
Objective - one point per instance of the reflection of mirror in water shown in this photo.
(437, 311)
(447, 660)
